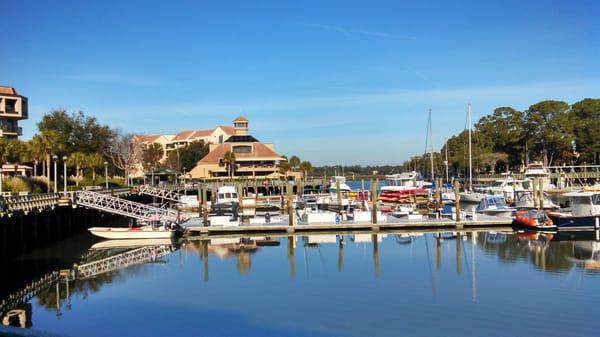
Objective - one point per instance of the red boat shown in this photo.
(534, 219)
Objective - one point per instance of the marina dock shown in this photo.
(343, 227)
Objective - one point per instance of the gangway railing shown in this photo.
(153, 191)
(121, 260)
(136, 210)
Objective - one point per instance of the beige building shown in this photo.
(13, 107)
(182, 139)
(252, 158)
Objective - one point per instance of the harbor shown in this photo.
(361, 168)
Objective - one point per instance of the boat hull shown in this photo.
(144, 232)
(567, 222)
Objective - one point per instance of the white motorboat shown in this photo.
(472, 197)
(142, 232)
(525, 200)
(495, 205)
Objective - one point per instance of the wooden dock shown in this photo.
(345, 227)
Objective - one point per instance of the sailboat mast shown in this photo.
(446, 163)
(431, 147)
(470, 154)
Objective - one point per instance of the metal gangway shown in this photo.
(165, 194)
(136, 210)
(121, 260)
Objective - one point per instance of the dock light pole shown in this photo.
(65, 175)
(106, 174)
(55, 157)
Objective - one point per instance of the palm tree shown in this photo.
(37, 149)
(95, 161)
(229, 160)
(305, 168)
(77, 160)
(52, 145)
(294, 162)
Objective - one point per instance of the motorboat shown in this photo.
(534, 219)
(585, 211)
(506, 187)
(494, 205)
(141, 232)
(535, 171)
(226, 203)
(403, 188)
(471, 197)
(524, 200)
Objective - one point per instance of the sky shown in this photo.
(334, 82)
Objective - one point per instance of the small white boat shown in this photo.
(142, 232)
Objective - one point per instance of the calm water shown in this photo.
(488, 283)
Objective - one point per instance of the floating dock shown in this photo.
(341, 227)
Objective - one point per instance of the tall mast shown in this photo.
(446, 162)
(431, 147)
(470, 154)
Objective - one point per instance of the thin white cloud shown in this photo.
(349, 31)
(116, 79)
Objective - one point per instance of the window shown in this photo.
(10, 106)
(220, 139)
(242, 149)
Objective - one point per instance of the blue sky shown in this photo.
(343, 82)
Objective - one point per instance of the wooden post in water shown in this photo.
(373, 202)
(458, 253)
(289, 205)
(204, 207)
(438, 191)
(339, 197)
(535, 192)
(205, 256)
(375, 254)
(457, 198)
(291, 257)
(541, 195)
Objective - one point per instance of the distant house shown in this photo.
(252, 158)
(13, 107)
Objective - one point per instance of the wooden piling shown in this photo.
(373, 201)
(541, 195)
(339, 196)
(457, 198)
(535, 193)
(289, 205)
(204, 207)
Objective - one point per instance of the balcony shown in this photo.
(13, 131)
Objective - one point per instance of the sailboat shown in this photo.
(469, 195)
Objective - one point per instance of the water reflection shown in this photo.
(449, 259)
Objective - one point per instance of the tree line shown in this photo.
(552, 132)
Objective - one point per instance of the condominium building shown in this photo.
(13, 107)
